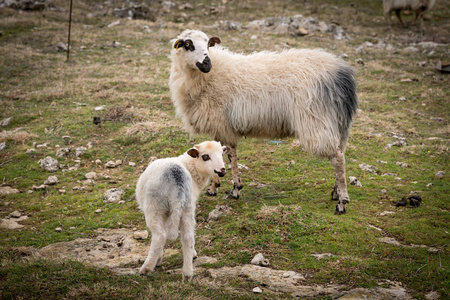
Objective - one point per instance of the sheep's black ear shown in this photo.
(179, 43)
(193, 152)
(214, 40)
(226, 149)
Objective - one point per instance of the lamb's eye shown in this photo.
(206, 157)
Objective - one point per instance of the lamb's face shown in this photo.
(194, 45)
(208, 158)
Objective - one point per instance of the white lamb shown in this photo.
(418, 6)
(308, 94)
(167, 193)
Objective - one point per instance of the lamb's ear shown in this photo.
(179, 43)
(193, 152)
(214, 40)
(226, 149)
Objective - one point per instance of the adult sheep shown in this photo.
(418, 6)
(307, 94)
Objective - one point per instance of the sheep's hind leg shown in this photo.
(340, 189)
(215, 183)
(237, 183)
(188, 243)
(155, 253)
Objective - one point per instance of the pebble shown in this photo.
(51, 180)
(140, 235)
(98, 210)
(257, 290)
(439, 174)
(15, 214)
(91, 175)
(132, 164)
(58, 229)
(110, 164)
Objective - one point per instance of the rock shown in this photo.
(383, 191)
(368, 168)
(7, 190)
(439, 174)
(402, 164)
(110, 164)
(40, 187)
(140, 235)
(15, 214)
(2, 145)
(387, 213)
(91, 175)
(260, 260)
(31, 150)
(61, 47)
(13, 223)
(218, 212)
(354, 181)
(433, 250)
(201, 260)
(62, 152)
(378, 293)
(58, 229)
(98, 211)
(257, 290)
(5, 122)
(118, 162)
(113, 195)
(322, 255)
(390, 241)
(432, 295)
(132, 164)
(80, 151)
(98, 161)
(51, 180)
(49, 164)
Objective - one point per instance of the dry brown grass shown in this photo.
(17, 137)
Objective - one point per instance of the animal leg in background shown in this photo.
(215, 183)
(155, 253)
(340, 189)
(237, 182)
(399, 16)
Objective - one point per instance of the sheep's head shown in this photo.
(208, 157)
(194, 45)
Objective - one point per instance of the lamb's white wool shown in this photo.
(167, 194)
(309, 94)
(418, 6)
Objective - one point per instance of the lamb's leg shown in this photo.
(397, 12)
(237, 183)
(155, 253)
(188, 243)
(215, 183)
(338, 161)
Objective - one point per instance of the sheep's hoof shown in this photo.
(339, 211)
(234, 193)
(187, 277)
(208, 193)
(145, 271)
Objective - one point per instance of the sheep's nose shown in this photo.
(221, 173)
(204, 66)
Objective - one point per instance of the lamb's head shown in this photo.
(194, 46)
(208, 158)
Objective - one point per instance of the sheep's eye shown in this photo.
(206, 157)
(188, 45)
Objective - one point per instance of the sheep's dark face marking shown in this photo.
(195, 48)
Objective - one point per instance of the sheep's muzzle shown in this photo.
(205, 66)
(221, 173)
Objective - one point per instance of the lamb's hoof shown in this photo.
(188, 277)
(209, 193)
(145, 271)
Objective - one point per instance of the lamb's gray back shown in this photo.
(163, 185)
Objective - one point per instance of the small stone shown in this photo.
(49, 164)
(354, 181)
(31, 150)
(257, 290)
(110, 164)
(439, 174)
(58, 229)
(80, 151)
(429, 185)
(322, 255)
(72, 228)
(433, 250)
(5, 122)
(2, 145)
(113, 195)
(140, 235)
(38, 188)
(98, 211)
(260, 260)
(368, 168)
(15, 214)
(51, 180)
(118, 162)
(388, 240)
(121, 202)
(61, 152)
(98, 161)
(132, 164)
(7, 190)
(383, 191)
(91, 175)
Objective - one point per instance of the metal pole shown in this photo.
(70, 25)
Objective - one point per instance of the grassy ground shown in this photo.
(287, 220)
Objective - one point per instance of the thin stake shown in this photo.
(70, 25)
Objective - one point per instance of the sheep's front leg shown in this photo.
(340, 189)
(399, 16)
(215, 183)
(187, 225)
(237, 183)
(155, 253)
